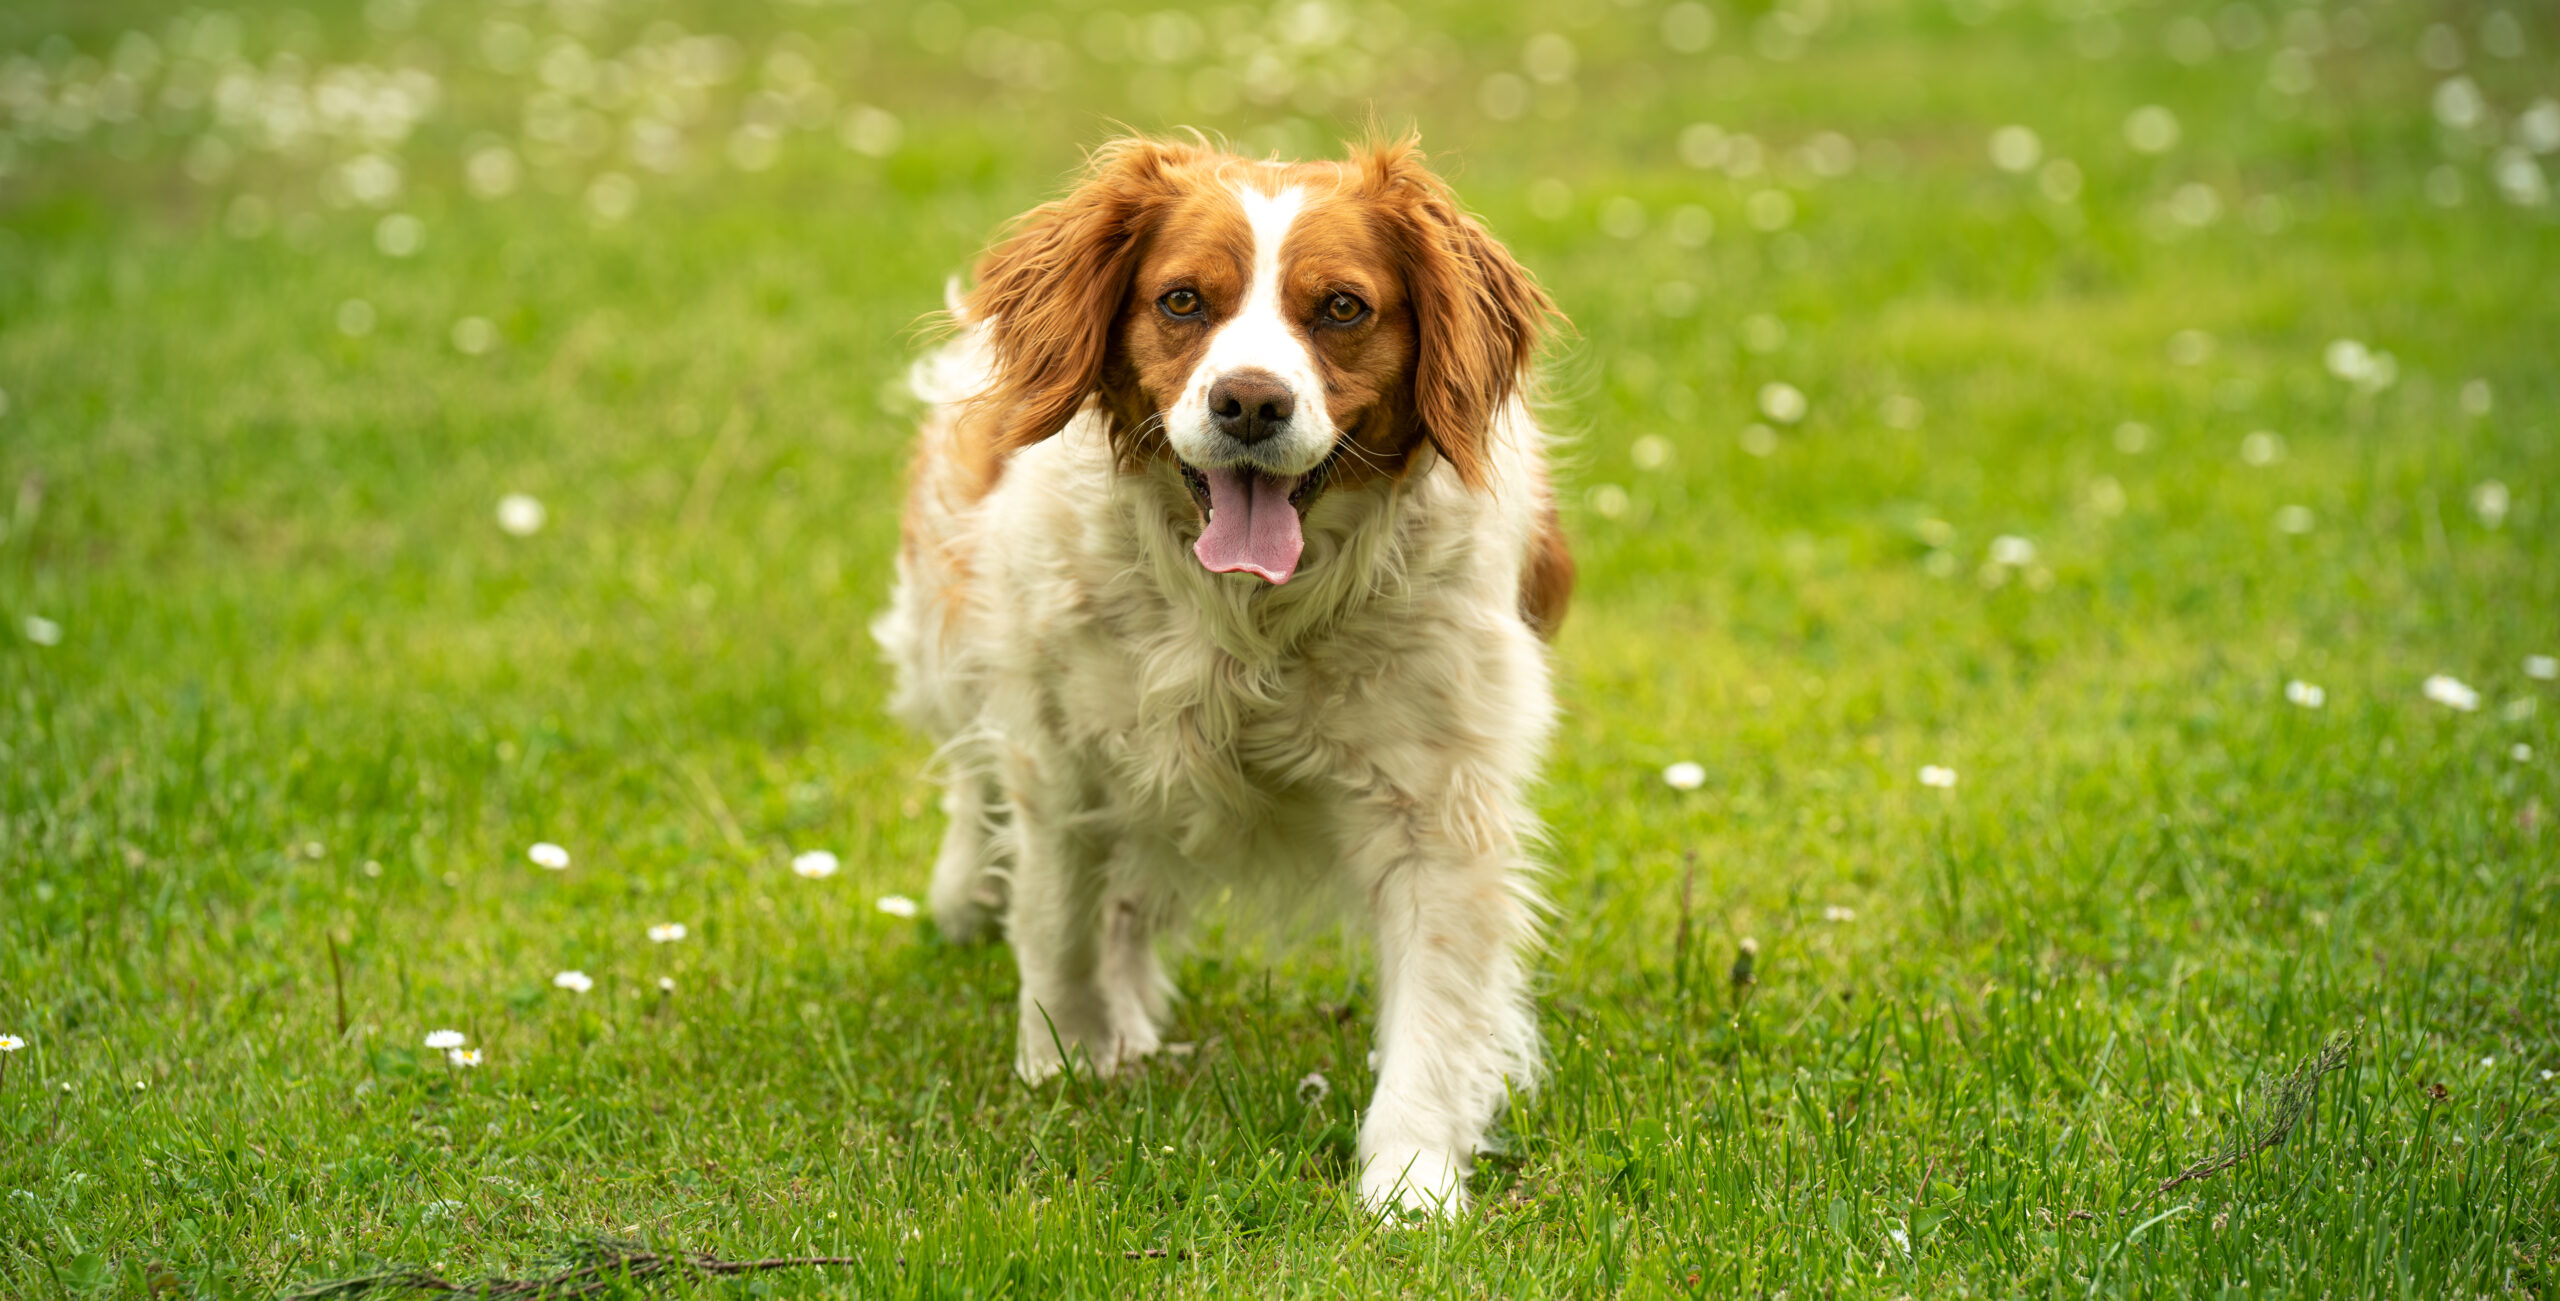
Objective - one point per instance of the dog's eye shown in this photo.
(1181, 302)
(1343, 309)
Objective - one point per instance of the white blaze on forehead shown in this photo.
(1270, 215)
(1262, 335)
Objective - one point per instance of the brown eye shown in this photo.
(1343, 309)
(1181, 302)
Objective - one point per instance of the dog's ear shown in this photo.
(1051, 291)
(1479, 315)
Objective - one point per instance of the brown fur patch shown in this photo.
(1479, 313)
(1546, 579)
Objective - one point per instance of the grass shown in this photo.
(265, 798)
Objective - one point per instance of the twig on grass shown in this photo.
(337, 982)
(2281, 1104)
(592, 1266)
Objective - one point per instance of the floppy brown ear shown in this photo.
(1051, 292)
(1479, 314)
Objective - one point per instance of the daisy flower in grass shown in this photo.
(897, 905)
(2451, 692)
(667, 932)
(463, 1056)
(2306, 694)
(445, 1039)
(576, 982)
(547, 855)
(1684, 776)
(816, 864)
(10, 1043)
(521, 514)
(1932, 775)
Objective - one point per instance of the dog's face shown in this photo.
(1275, 331)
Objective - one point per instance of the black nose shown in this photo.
(1250, 405)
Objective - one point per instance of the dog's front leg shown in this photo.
(1455, 1032)
(1054, 920)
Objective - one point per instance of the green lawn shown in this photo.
(2082, 478)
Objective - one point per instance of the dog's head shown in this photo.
(1276, 330)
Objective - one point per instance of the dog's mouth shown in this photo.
(1250, 519)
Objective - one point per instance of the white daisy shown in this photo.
(2451, 693)
(445, 1039)
(2490, 500)
(1684, 776)
(463, 1056)
(897, 905)
(10, 1043)
(2306, 694)
(666, 984)
(576, 982)
(546, 854)
(1836, 913)
(667, 932)
(815, 864)
(1783, 402)
(1942, 778)
(521, 514)
(2543, 667)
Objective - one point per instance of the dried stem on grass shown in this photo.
(592, 1266)
(2282, 1103)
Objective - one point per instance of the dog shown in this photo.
(1227, 565)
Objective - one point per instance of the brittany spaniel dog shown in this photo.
(1225, 569)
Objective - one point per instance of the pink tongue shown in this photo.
(1252, 527)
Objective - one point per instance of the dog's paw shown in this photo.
(1038, 1059)
(966, 916)
(1133, 1040)
(1412, 1179)
(1037, 1063)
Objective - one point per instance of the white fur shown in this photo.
(1261, 336)
(1126, 734)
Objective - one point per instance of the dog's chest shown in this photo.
(1186, 724)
